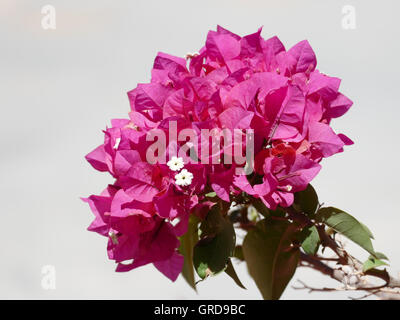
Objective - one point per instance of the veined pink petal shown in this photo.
(98, 159)
(304, 55)
(235, 118)
(222, 46)
(322, 135)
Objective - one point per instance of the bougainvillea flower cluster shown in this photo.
(232, 83)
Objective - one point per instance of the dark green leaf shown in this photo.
(238, 253)
(310, 240)
(306, 201)
(230, 271)
(260, 207)
(271, 259)
(188, 240)
(216, 245)
(347, 225)
(278, 212)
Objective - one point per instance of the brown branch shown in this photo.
(354, 280)
(388, 290)
(312, 289)
(384, 291)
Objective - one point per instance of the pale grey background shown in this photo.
(59, 89)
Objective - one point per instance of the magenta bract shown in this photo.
(234, 83)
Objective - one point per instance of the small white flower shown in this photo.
(175, 164)
(184, 178)
(117, 141)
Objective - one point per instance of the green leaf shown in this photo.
(230, 271)
(260, 207)
(373, 262)
(347, 225)
(238, 253)
(188, 240)
(367, 230)
(211, 194)
(271, 259)
(278, 212)
(216, 245)
(310, 240)
(306, 201)
(380, 255)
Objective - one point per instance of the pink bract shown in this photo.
(233, 82)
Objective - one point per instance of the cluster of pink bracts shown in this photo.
(232, 82)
